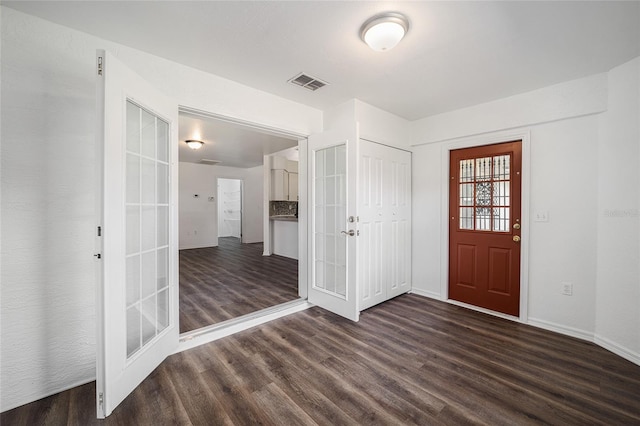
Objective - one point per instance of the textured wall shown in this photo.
(48, 187)
(47, 309)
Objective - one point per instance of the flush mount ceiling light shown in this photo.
(382, 32)
(194, 144)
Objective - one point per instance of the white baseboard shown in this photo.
(14, 404)
(562, 329)
(426, 293)
(214, 332)
(196, 246)
(611, 346)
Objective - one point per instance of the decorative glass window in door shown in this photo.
(147, 226)
(484, 200)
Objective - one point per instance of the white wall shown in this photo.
(569, 174)
(253, 210)
(375, 124)
(47, 277)
(199, 216)
(618, 215)
(565, 100)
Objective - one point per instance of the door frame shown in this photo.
(470, 142)
(213, 332)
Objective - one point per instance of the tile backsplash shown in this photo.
(279, 208)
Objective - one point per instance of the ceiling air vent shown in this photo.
(307, 82)
(210, 162)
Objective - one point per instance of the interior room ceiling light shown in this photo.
(194, 144)
(383, 31)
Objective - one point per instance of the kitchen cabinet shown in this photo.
(279, 185)
(284, 180)
(293, 187)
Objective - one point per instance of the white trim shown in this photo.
(617, 349)
(468, 142)
(274, 131)
(266, 196)
(484, 310)
(214, 332)
(425, 293)
(303, 218)
(561, 329)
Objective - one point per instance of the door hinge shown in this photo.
(101, 400)
(100, 68)
(99, 231)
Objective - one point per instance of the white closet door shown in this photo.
(399, 211)
(373, 224)
(384, 208)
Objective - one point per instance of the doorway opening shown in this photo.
(223, 212)
(230, 209)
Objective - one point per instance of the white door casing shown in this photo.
(333, 158)
(137, 295)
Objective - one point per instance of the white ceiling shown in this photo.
(456, 54)
(231, 144)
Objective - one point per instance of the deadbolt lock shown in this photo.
(516, 226)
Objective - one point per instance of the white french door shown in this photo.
(333, 158)
(137, 301)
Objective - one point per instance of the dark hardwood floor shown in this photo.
(408, 361)
(231, 280)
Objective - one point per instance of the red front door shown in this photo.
(484, 229)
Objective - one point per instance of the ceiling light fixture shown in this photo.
(194, 144)
(383, 31)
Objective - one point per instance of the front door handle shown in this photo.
(516, 238)
(350, 232)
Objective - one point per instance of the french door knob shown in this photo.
(350, 233)
(516, 238)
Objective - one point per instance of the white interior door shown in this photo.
(332, 273)
(137, 301)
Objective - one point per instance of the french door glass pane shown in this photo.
(147, 227)
(330, 207)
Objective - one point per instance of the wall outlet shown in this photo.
(567, 289)
(541, 216)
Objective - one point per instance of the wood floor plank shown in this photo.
(411, 360)
(231, 280)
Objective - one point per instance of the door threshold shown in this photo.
(485, 311)
(200, 336)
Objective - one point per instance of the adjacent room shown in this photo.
(272, 212)
(225, 270)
